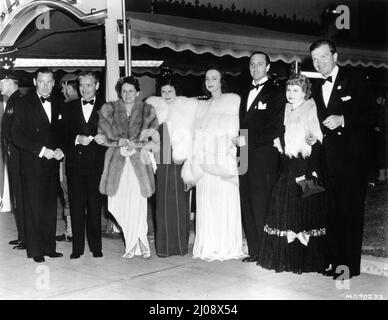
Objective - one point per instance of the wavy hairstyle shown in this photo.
(224, 86)
(301, 81)
(130, 80)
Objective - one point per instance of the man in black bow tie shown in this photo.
(84, 165)
(35, 130)
(9, 86)
(343, 107)
(261, 116)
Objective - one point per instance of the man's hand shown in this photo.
(100, 138)
(58, 154)
(48, 154)
(84, 140)
(333, 122)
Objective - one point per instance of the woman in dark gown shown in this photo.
(294, 233)
(175, 115)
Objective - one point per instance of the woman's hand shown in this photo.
(123, 142)
(130, 145)
(311, 139)
(100, 139)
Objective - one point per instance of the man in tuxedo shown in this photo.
(9, 86)
(344, 112)
(261, 115)
(69, 84)
(84, 165)
(35, 131)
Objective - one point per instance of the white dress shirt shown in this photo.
(87, 109)
(47, 109)
(254, 92)
(327, 87)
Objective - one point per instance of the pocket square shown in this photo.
(262, 106)
(346, 98)
(59, 117)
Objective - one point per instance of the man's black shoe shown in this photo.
(253, 258)
(74, 256)
(14, 242)
(97, 254)
(39, 259)
(55, 255)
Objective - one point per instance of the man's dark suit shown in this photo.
(345, 163)
(12, 159)
(31, 130)
(84, 165)
(263, 125)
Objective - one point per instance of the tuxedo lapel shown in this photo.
(338, 87)
(263, 92)
(243, 104)
(40, 112)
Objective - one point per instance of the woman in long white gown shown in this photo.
(213, 168)
(128, 177)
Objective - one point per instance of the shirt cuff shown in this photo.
(343, 123)
(42, 152)
(76, 140)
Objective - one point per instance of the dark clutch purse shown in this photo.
(309, 187)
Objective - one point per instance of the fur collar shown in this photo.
(143, 116)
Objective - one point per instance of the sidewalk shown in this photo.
(113, 277)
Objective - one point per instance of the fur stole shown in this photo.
(140, 127)
(217, 123)
(299, 123)
(179, 117)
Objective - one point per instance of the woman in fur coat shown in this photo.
(176, 116)
(130, 127)
(294, 233)
(213, 169)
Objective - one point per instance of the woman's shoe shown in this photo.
(146, 255)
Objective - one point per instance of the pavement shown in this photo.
(173, 278)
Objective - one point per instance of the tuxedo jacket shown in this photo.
(346, 148)
(6, 124)
(264, 118)
(31, 130)
(83, 159)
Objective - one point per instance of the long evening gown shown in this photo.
(218, 217)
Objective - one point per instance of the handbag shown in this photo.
(309, 187)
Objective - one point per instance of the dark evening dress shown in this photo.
(294, 237)
(172, 206)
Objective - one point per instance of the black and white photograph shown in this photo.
(207, 153)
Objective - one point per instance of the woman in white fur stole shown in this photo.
(130, 127)
(294, 233)
(176, 116)
(213, 169)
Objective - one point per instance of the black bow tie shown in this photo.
(257, 86)
(87, 102)
(329, 79)
(43, 99)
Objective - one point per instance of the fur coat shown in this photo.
(213, 151)
(299, 123)
(141, 128)
(179, 116)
